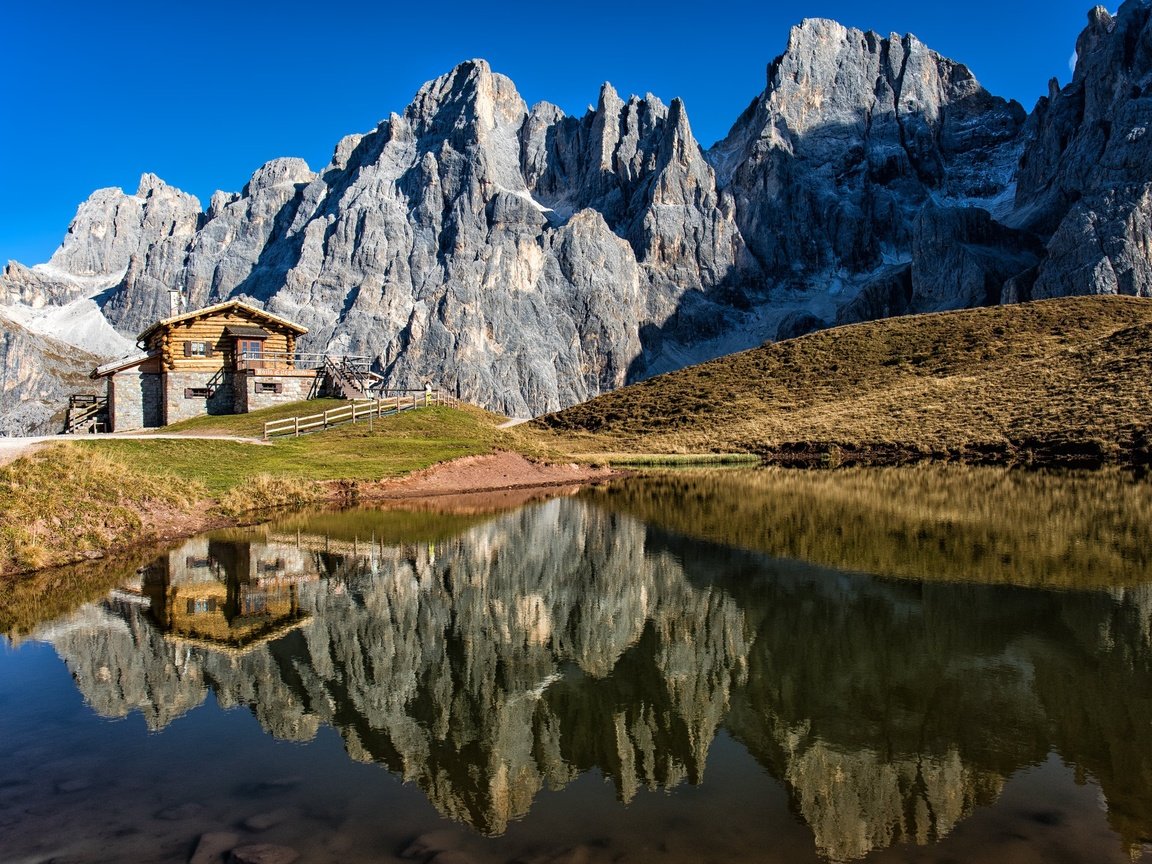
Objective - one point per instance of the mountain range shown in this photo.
(528, 260)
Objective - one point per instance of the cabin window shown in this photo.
(269, 387)
(197, 392)
(197, 349)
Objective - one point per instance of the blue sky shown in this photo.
(202, 94)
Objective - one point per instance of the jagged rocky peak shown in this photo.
(110, 227)
(853, 133)
(470, 91)
(473, 107)
(830, 73)
(280, 172)
(1084, 180)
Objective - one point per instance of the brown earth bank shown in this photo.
(488, 473)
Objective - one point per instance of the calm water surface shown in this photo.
(905, 665)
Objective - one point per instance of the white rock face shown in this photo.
(37, 374)
(111, 227)
(528, 260)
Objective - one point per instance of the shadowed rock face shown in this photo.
(564, 638)
(37, 374)
(529, 260)
(1086, 176)
(852, 136)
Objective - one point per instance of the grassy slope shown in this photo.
(388, 447)
(64, 502)
(1059, 376)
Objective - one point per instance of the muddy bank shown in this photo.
(493, 472)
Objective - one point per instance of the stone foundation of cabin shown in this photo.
(255, 390)
(135, 400)
(196, 393)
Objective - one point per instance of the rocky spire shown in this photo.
(1084, 182)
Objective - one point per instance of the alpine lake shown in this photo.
(926, 664)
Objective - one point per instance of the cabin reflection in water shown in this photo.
(228, 594)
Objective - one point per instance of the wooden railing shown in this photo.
(297, 360)
(361, 409)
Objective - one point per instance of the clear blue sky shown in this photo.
(202, 93)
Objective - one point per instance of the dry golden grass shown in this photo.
(63, 502)
(1056, 380)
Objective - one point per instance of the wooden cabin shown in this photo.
(230, 358)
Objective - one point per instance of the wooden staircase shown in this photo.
(87, 415)
(346, 378)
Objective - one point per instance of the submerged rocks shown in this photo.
(263, 853)
(213, 847)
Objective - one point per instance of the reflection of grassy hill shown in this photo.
(932, 522)
(50, 594)
(1066, 379)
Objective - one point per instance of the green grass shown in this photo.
(391, 447)
(251, 425)
(1037, 381)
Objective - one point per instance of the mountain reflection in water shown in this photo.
(530, 647)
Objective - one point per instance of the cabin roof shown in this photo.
(121, 364)
(231, 305)
(246, 332)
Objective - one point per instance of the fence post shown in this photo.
(413, 401)
(296, 426)
(265, 430)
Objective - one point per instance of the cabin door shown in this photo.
(250, 353)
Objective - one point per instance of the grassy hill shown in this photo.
(1058, 381)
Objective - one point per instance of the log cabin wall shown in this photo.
(172, 341)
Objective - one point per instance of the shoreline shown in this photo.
(466, 477)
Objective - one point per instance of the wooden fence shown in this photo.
(360, 409)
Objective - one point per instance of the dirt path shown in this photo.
(489, 473)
